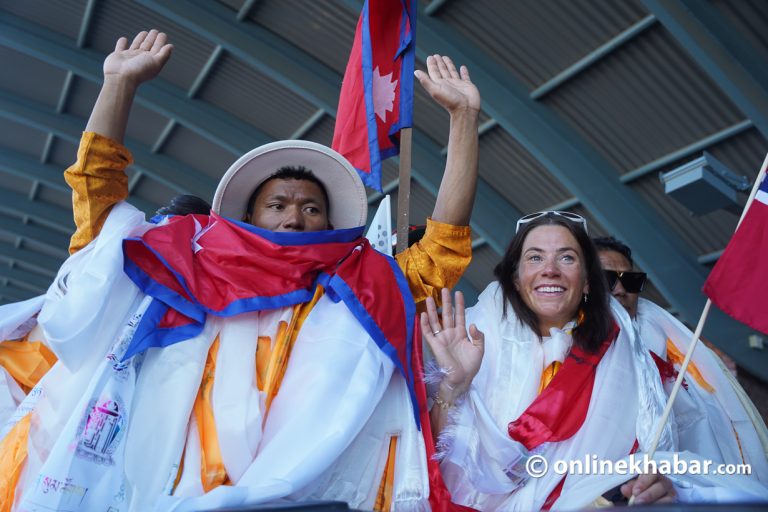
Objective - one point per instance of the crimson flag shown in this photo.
(738, 282)
(376, 99)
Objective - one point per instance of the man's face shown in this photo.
(290, 205)
(612, 260)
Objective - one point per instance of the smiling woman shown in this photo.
(549, 278)
(551, 359)
(550, 274)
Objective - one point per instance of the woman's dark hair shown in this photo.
(184, 205)
(597, 321)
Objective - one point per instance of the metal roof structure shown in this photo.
(585, 102)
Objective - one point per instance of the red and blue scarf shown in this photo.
(198, 265)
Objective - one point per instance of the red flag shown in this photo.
(376, 99)
(737, 284)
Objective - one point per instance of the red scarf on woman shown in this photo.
(559, 411)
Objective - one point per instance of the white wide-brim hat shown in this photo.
(346, 193)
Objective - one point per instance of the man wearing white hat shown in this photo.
(280, 351)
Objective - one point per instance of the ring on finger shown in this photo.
(437, 332)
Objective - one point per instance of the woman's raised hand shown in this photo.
(457, 352)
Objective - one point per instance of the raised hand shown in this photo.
(141, 61)
(125, 70)
(450, 88)
(455, 350)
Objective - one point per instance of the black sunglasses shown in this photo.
(632, 282)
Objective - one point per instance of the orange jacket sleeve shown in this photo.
(98, 182)
(437, 261)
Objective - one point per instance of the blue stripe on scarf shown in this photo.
(302, 237)
(338, 287)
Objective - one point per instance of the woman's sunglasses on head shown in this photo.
(573, 217)
(633, 282)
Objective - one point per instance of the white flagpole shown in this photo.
(697, 333)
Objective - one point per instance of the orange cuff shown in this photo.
(98, 182)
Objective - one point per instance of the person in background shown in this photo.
(185, 204)
(712, 415)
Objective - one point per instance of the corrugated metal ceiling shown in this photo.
(248, 95)
(535, 40)
(643, 101)
(643, 104)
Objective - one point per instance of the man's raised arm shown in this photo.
(98, 177)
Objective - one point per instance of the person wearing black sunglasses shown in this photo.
(624, 283)
(714, 417)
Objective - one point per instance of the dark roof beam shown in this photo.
(18, 164)
(82, 35)
(667, 159)
(593, 57)
(53, 216)
(200, 79)
(478, 242)
(245, 9)
(721, 51)
(685, 151)
(271, 55)
(85, 23)
(60, 105)
(710, 257)
(25, 278)
(163, 137)
(307, 125)
(33, 190)
(206, 120)
(164, 169)
(54, 240)
(46, 265)
(134, 181)
(434, 6)
(205, 71)
(14, 294)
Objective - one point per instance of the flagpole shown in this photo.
(699, 328)
(755, 188)
(404, 190)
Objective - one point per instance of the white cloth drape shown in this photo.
(108, 433)
(723, 425)
(16, 320)
(485, 469)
